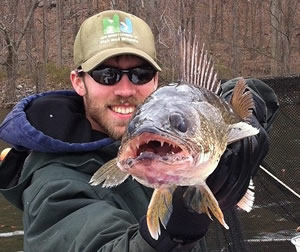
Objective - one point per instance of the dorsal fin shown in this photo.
(196, 68)
(241, 101)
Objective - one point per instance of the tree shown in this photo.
(13, 38)
(43, 84)
(282, 15)
(59, 30)
(235, 39)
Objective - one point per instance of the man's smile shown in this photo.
(124, 110)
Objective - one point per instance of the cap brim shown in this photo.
(105, 54)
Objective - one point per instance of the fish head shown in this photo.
(167, 140)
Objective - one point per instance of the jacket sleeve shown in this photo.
(239, 163)
(68, 214)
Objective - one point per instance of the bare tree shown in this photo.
(261, 23)
(13, 41)
(59, 30)
(74, 17)
(275, 24)
(43, 75)
(241, 40)
(289, 26)
(221, 17)
(282, 24)
(29, 35)
(235, 39)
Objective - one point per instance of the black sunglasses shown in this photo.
(110, 76)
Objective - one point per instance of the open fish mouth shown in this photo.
(149, 147)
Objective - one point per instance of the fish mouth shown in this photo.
(149, 147)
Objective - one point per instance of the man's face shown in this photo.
(109, 108)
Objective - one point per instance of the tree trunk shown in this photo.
(261, 23)
(29, 36)
(235, 40)
(221, 37)
(289, 25)
(274, 12)
(74, 16)
(59, 21)
(43, 76)
(11, 69)
(13, 39)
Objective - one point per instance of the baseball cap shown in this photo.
(111, 33)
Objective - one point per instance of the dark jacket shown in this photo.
(47, 176)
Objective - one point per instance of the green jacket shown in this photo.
(60, 193)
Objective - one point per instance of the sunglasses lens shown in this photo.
(141, 75)
(106, 76)
(110, 76)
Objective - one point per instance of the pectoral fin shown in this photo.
(239, 131)
(159, 210)
(110, 174)
(202, 200)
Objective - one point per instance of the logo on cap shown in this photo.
(115, 30)
(114, 25)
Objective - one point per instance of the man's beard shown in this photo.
(99, 116)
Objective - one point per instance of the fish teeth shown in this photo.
(201, 158)
(161, 144)
(201, 148)
(204, 157)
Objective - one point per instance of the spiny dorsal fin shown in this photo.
(194, 68)
(241, 101)
(110, 174)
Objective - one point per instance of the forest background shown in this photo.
(249, 38)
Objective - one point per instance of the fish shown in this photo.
(177, 137)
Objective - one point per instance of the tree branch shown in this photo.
(26, 23)
(2, 27)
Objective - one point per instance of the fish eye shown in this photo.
(178, 122)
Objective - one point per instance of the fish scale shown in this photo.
(197, 124)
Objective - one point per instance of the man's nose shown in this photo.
(125, 87)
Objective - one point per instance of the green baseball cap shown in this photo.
(111, 33)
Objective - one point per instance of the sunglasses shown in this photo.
(110, 76)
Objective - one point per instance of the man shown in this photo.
(61, 138)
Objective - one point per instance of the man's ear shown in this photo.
(78, 83)
(155, 81)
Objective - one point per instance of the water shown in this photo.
(10, 224)
(11, 239)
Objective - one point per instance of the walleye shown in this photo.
(177, 137)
